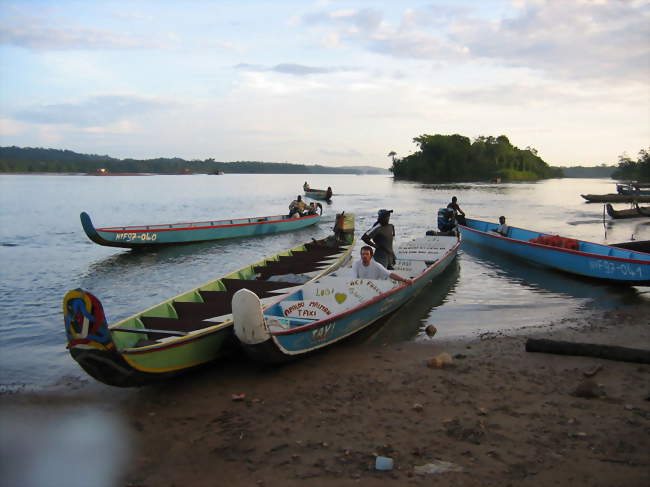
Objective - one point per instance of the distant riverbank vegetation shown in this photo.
(38, 160)
(630, 170)
(453, 158)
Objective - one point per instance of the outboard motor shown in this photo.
(446, 221)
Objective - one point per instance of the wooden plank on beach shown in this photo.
(609, 352)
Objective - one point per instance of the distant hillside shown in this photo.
(601, 171)
(28, 159)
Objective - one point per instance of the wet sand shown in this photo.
(497, 415)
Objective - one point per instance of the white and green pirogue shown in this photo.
(192, 328)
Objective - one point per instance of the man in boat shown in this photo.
(297, 207)
(368, 268)
(458, 213)
(328, 193)
(502, 229)
(305, 186)
(380, 236)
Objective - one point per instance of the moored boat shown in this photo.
(335, 306)
(616, 198)
(638, 211)
(587, 259)
(633, 189)
(319, 194)
(194, 327)
(179, 233)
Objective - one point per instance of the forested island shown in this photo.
(453, 158)
(38, 160)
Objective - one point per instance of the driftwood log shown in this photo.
(609, 352)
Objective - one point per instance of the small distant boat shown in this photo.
(195, 327)
(319, 194)
(633, 189)
(616, 198)
(179, 233)
(333, 307)
(604, 262)
(639, 211)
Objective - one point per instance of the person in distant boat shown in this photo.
(328, 193)
(297, 207)
(502, 228)
(369, 268)
(458, 213)
(380, 236)
(305, 186)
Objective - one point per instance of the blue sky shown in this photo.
(324, 82)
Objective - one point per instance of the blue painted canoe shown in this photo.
(605, 262)
(335, 306)
(179, 233)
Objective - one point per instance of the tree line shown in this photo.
(452, 158)
(631, 170)
(28, 159)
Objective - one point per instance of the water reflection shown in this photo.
(408, 322)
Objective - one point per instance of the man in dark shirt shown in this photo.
(458, 213)
(380, 236)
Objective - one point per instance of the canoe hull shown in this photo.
(592, 260)
(637, 212)
(138, 350)
(317, 194)
(181, 233)
(287, 346)
(616, 198)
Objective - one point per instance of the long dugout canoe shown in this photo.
(616, 198)
(179, 233)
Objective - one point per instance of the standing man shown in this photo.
(380, 236)
(368, 268)
(458, 213)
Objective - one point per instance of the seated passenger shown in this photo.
(297, 207)
(368, 268)
(305, 186)
(502, 229)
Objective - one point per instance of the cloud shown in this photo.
(569, 40)
(293, 69)
(96, 111)
(40, 37)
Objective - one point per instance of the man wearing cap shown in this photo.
(380, 236)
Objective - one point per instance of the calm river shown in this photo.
(44, 252)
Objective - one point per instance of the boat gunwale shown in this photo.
(200, 333)
(561, 249)
(206, 227)
(324, 321)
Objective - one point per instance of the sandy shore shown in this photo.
(497, 416)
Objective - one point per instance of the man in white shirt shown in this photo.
(502, 228)
(368, 268)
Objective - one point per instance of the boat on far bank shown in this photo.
(638, 211)
(616, 198)
(586, 259)
(192, 232)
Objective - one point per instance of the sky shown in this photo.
(325, 82)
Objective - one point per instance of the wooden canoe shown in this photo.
(616, 198)
(318, 194)
(336, 306)
(639, 211)
(587, 259)
(192, 232)
(195, 327)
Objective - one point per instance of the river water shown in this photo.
(44, 252)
